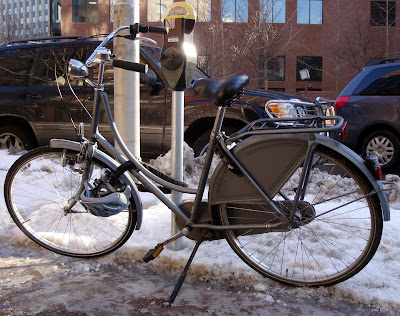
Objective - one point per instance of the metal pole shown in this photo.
(177, 155)
(127, 83)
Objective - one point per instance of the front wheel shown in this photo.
(37, 189)
(337, 231)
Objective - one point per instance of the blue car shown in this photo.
(370, 106)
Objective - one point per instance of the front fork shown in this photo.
(85, 155)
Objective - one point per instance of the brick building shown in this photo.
(270, 40)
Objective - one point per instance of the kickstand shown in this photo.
(182, 277)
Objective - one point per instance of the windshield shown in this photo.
(154, 53)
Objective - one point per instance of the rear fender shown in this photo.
(111, 163)
(360, 164)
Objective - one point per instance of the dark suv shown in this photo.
(32, 111)
(370, 105)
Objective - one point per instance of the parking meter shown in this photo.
(178, 63)
(178, 56)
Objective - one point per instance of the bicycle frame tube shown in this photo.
(144, 175)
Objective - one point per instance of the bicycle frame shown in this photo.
(146, 177)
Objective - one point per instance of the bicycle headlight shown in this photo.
(77, 69)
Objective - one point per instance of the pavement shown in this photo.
(36, 282)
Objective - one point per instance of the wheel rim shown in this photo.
(11, 142)
(381, 147)
(40, 190)
(328, 249)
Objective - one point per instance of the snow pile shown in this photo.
(377, 285)
(192, 165)
(394, 195)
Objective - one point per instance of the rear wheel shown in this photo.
(338, 229)
(38, 187)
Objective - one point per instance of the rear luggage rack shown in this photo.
(288, 116)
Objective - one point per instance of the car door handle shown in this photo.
(34, 96)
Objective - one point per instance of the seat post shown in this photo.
(216, 130)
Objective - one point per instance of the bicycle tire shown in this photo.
(36, 189)
(329, 245)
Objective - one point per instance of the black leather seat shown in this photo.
(223, 91)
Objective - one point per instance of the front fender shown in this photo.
(110, 162)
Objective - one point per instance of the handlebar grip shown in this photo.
(154, 29)
(124, 64)
(135, 28)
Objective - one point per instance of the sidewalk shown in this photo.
(36, 283)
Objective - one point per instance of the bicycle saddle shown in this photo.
(223, 91)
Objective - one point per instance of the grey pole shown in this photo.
(177, 155)
(127, 83)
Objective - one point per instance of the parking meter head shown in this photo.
(178, 56)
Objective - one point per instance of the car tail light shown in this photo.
(344, 131)
(341, 101)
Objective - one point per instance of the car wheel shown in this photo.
(14, 139)
(386, 146)
(200, 144)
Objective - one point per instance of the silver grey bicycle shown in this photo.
(295, 205)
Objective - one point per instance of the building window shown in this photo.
(235, 10)
(383, 13)
(276, 68)
(202, 8)
(85, 11)
(309, 11)
(313, 64)
(273, 11)
(156, 9)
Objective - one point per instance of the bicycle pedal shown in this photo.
(153, 253)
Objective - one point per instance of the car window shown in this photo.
(380, 81)
(50, 68)
(16, 66)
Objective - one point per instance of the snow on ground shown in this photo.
(377, 285)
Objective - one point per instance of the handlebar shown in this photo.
(128, 65)
(133, 29)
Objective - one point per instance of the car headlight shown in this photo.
(281, 109)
